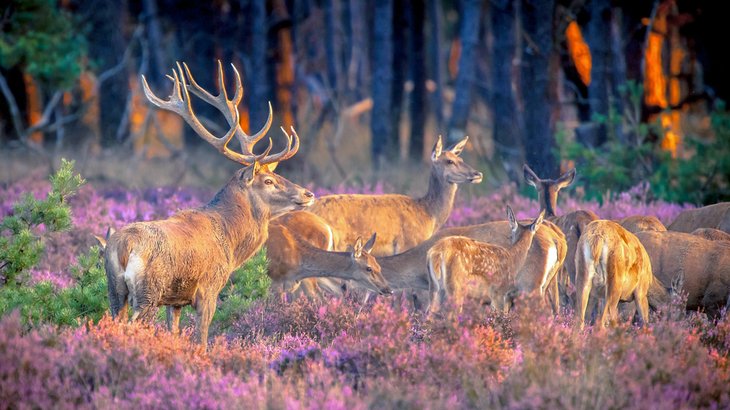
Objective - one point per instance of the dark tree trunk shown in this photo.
(618, 62)
(107, 19)
(357, 64)
(436, 62)
(382, 80)
(598, 37)
(400, 68)
(331, 47)
(469, 34)
(419, 104)
(257, 78)
(537, 17)
(157, 67)
(506, 130)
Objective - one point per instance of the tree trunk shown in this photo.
(469, 34)
(506, 130)
(331, 49)
(400, 68)
(419, 104)
(436, 62)
(539, 142)
(257, 79)
(107, 19)
(382, 79)
(598, 37)
(157, 68)
(618, 72)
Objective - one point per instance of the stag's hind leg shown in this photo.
(642, 305)
(205, 307)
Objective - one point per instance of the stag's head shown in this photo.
(366, 269)
(449, 166)
(547, 189)
(257, 178)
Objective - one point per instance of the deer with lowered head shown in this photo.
(187, 258)
(460, 267)
(401, 221)
(715, 216)
(611, 264)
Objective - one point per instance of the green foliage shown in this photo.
(44, 40)
(247, 284)
(22, 232)
(43, 303)
(628, 160)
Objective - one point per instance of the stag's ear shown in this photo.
(437, 148)
(249, 173)
(370, 243)
(511, 218)
(102, 241)
(357, 249)
(459, 146)
(536, 223)
(566, 179)
(530, 176)
(269, 167)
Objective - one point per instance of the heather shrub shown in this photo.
(23, 231)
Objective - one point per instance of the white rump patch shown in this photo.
(552, 260)
(135, 266)
(331, 236)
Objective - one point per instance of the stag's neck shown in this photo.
(439, 199)
(243, 221)
(319, 263)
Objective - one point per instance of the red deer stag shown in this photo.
(460, 267)
(401, 222)
(715, 216)
(611, 264)
(188, 258)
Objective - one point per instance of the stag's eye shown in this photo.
(268, 181)
(450, 162)
(369, 269)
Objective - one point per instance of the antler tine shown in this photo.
(288, 152)
(248, 141)
(179, 103)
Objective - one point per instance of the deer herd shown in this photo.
(316, 247)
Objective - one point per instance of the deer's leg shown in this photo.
(172, 317)
(610, 309)
(642, 305)
(554, 295)
(205, 309)
(582, 288)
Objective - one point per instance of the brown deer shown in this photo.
(572, 224)
(703, 266)
(461, 267)
(292, 259)
(715, 216)
(401, 222)
(611, 264)
(638, 223)
(712, 234)
(187, 259)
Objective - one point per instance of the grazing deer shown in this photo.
(703, 265)
(572, 224)
(402, 222)
(292, 259)
(638, 223)
(188, 257)
(715, 216)
(611, 262)
(461, 267)
(711, 234)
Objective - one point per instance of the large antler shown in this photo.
(179, 103)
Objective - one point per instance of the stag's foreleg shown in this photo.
(172, 319)
(205, 307)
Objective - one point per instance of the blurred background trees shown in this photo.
(553, 83)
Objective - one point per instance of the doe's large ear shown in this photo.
(511, 218)
(566, 179)
(357, 249)
(370, 243)
(530, 176)
(459, 146)
(250, 172)
(437, 148)
(536, 223)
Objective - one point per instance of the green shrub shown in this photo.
(247, 284)
(43, 303)
(22, 232)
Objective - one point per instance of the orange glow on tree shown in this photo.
(285, 77)
(33, 106)
(150, 128)
(579, 51)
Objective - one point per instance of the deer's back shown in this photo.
(712, 216)
(400, 222)
(638, 223)
(703, 264)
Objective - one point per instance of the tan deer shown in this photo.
(401, 222)
(703, 265)
(711, 234)
(460, 267)
(187, 258)
(572, 224)
(638, 223)
(292, 259)
(611, 264)
(715, 216)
